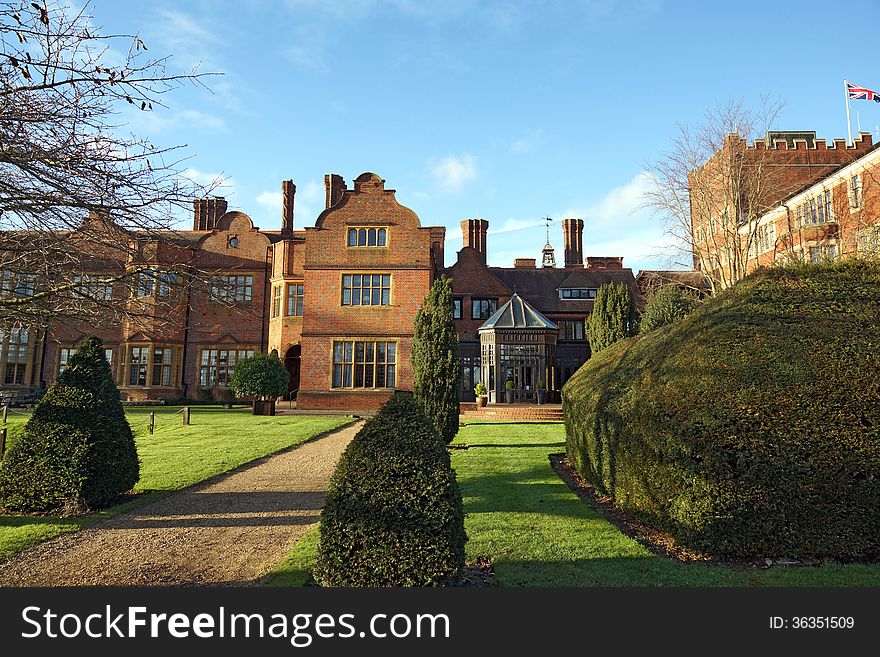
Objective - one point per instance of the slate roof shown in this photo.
(517, 314)
(540, 286)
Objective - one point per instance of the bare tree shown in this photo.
(80, 198)
(712, 187)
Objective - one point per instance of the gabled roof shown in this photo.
(517, 314)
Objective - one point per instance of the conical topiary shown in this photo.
(77, 451)
(394, 513)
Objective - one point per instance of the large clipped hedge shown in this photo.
(77, 451)
(394, 514)
(750, 427)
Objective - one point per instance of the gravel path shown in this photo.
(228, 530)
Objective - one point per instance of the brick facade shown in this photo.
(336, 300)
(823, 203)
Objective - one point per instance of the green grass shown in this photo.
(538, 533)
(217, 440)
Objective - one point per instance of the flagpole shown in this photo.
(848, 124)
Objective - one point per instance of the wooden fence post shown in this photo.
(152, 421)
(186, 416)
(2, 442)
(5, 412)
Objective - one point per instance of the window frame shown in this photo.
(477, 303)
(584, 293)
(385, 300)
(227, 288)
(346, 363)
(206, 365)
(381, 234)
(20, 359)
(457, 307)
(276, 301)
(294, 301)
(169, 373)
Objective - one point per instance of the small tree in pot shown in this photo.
(481, 393)
(263, 377)
(508, 391)
(541, 390)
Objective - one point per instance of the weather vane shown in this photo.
(548, 220)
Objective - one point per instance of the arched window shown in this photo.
(368, 237)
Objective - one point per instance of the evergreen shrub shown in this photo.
(666, 305)
(394, 513)
(750, 427)
(76, 452)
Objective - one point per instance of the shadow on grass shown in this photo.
(663, 572)
(538, 445)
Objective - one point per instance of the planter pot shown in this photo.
(508, 396)
(481, 402)
(542, 395)
(264, 407)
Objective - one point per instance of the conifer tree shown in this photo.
(612, 317)
(436, 363)
(77, 451)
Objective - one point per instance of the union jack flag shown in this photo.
(860, 93)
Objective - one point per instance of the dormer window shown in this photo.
(375, 237)
(577, 293)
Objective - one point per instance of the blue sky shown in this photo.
(510, 111)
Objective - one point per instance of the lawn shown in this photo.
(217, 440)
(538, 533)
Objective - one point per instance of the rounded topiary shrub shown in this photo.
(751, 427)
(666, 305)
(77, 451)
(394, 513)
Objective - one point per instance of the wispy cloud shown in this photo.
(452, 172)
(528, 142)
(212, 183)
(621, 212)
(162, 121)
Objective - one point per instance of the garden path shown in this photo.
(228, 530)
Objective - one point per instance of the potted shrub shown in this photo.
(263, 377)
(482, 394)
(508, 391)
(541, 390)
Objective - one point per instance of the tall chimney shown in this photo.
(207, 212)
(473, 233)
(288, 191)
(334, 185)
(573, 237)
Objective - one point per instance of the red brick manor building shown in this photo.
(335, 300)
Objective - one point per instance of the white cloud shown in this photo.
(162, 120)
(619, 224)
(271, 201)
(452, 173)
(212, 183)
(527, 143)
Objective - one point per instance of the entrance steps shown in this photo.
(512, 412)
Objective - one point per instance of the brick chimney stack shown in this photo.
(288, 191)
(334, 185)
(473, 233)
(207, 212)
(573, 237)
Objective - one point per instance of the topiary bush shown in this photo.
(394, 513)
(750, 427)
(435, 359)
(77, 451)
(261, 376)
(613, 316)
(665, 305)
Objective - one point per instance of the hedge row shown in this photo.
(750, 427)
(394, 513)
